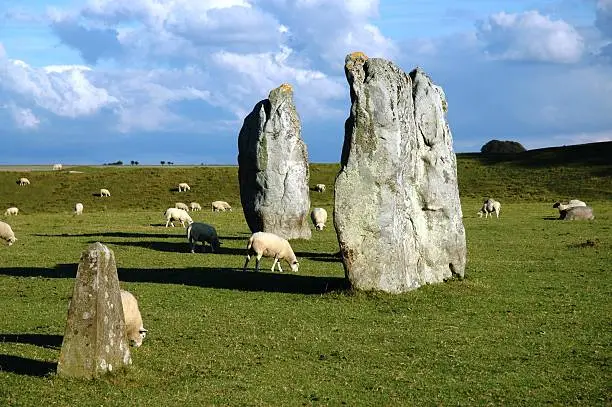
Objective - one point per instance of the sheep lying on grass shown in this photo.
(181, 215)
(183, 186)
(104, 192)
(134, 329)
(11, 211)
(488, 207)
(6, 233)
(195, 206)
(564, 207)
(23, 181)
(270, 245)
(57, 167)
(319, 188)
(182, 206)
(319, 217)
(578, 213)
(202, 232)
(78, 209)
(220, 206)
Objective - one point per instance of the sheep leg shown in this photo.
(257, 261)
(274, 264)
(246, 262)
(168, 221)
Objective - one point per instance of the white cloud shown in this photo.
(530, 36)
(24, 118)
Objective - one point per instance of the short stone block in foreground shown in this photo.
(94, 341)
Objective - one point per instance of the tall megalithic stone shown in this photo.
(273, 168)
(397, 212)
(94, 341)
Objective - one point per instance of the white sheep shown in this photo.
(57, 167)
(134, 329)
(488, 207)
(78, 209)
(578, 213)
(564, 207)
(6, 233)
(319, 217)
(11, 211)
(195, 206)
(319, 188)
(181, 215)
(23, 181)
(270, 245)
(181, 205)
(220, 206)
(183, 186)
(104, 192)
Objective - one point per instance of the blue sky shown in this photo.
(94, 81)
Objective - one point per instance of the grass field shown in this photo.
(531, 323)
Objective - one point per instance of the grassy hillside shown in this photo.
(545, 175)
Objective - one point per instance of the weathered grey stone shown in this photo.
(273, 168)
(397, 212)
(94, 341)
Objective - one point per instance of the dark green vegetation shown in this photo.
(502, 147)
(529, 325)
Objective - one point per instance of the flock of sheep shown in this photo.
(575, 209)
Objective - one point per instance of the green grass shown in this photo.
(529, 325)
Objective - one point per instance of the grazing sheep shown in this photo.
(181, 215)
(57, 167)
(319, 188)
(182, 206)
(78, 209)
(11, 211)
(134, 330)
(23, 181)
(488, 207)
(270, 245)
(578, 213)
(195, 206)
(202, 232)
(6, 233)
(220, 206)
(564, 207)
(183, 186)
(319, 217)
(104, 192)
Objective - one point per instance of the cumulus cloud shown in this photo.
(530, 36)
(24, 118)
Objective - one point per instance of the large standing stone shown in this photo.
(273, 168)
(397, 212)
(94, 342)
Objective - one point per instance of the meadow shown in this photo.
(530, 324)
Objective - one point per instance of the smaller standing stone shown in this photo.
(94, 341)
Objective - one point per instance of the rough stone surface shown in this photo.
(94, 341)
(397, 212)
(273, 168)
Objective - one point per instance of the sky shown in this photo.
(96, 81)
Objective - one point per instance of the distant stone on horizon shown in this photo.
(397, 212)
(273, 168)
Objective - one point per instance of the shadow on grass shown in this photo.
(43, 340)
(25, 366)
(116, 234)
(209, 277)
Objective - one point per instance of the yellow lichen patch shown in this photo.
(357, 55)
(285, 87)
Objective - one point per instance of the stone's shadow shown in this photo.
(25, 366)
(118, 234)
(209, 277)
(43, 340)
(551, 218)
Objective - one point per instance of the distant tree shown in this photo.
(136, 163)
(162, 162)
(502, 147)
(170, 163)
(115, 163)
(132, 162)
